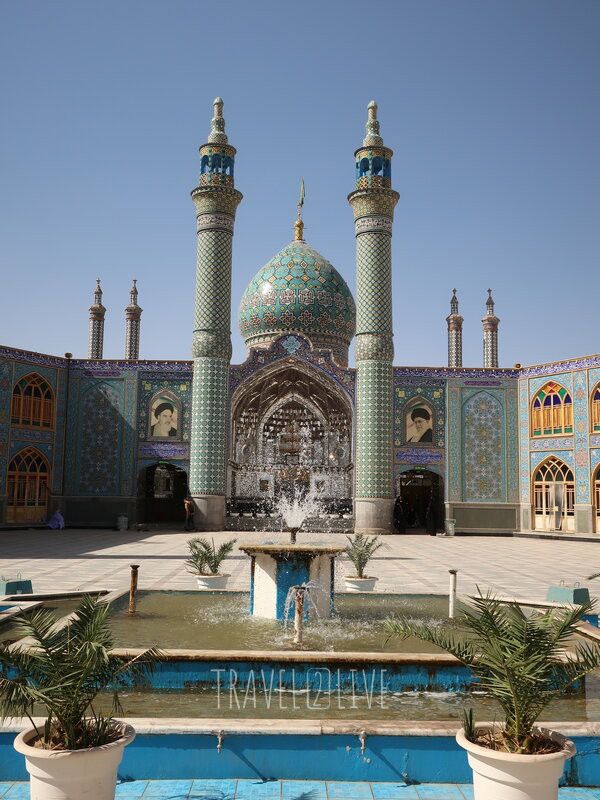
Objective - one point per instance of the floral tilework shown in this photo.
(580, 437)
(524, 467)
(5, 388)
(101, 421)
(483, 429)
(551, 443)
(512, 444)
(594, 459)
(564, 455)
(564, 378)
(453, 439)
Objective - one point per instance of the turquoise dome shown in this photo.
(298, 290)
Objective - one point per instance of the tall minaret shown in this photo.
(96, 327)
(455, 322)
(216, 201)
(373, 204)
(490, 334)
(133, 315)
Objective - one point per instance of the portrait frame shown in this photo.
(165, 396)
(410, 426)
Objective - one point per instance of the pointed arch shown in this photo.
(27, 486)
(552, 411)
(595, 409)
(32, 402)
(554, 495)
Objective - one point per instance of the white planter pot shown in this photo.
(73, 774)
(354, 584)
(508, 776)
(211, 582)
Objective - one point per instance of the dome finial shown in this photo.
(299, 224)
(217, 133)
(373, 136)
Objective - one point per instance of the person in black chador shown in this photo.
(399, 520)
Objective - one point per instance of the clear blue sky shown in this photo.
(491, 108)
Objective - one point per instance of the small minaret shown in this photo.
(133, 314)
(490, 334)
(96, 330)
(455, 322)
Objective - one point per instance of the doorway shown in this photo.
(163, 488)
(422, 496)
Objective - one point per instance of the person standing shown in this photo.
(188, 505)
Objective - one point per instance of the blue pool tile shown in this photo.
(213, 790)
(467, 791)
(168, 790)
(4, 787)
(257, 790)
(578, 793)
(394, 791)
(130, 790)
(303, 790)
(439, 791)
(18, 791)
(345, 790)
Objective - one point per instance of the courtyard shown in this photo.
(86, 560)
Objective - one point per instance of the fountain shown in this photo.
(277, 567)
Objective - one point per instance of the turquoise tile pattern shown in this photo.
(290, 790)
(297, 290)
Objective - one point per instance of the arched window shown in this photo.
(376, 165)
(364, 166)
(595, 409)
(203, 165)
(552, 411)
(554, 496)
(32, 403)
(27, 487)
(215, 163)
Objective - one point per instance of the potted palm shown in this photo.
(75, 753)
(205, 561)
(359, 551)
(521, 661)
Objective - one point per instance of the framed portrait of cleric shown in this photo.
(419, 423)
(164, 417)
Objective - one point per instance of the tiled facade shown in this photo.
(298, 313)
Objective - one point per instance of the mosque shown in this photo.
(493, 449)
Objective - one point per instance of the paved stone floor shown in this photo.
(100, 559)
(289, 790)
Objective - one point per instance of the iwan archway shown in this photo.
(291, 429)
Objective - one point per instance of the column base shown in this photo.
(210, 512)
(525, 520)
(373, 515)
(584, 518)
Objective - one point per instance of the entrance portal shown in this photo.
(422, 496)
(163, 488)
